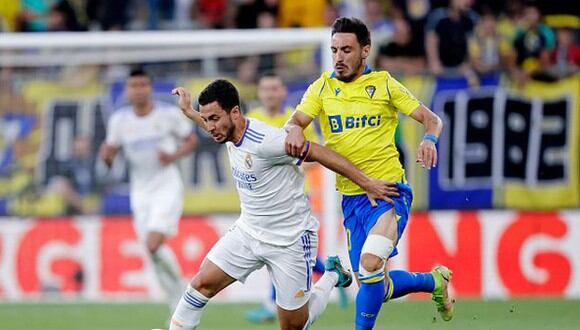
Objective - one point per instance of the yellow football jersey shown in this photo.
(358, 120)
(280, 119)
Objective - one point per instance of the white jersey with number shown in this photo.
(142, 138)
(275, 208)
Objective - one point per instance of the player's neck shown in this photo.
(143, 109)
(240, 130)
(273, 112)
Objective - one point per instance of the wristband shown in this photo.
(430, 137)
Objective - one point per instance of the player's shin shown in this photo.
(169, 274)
(370, 296)
(320, 296)
(187, 314)
(402, 283)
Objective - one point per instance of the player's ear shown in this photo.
(236, 112)
(366, 50)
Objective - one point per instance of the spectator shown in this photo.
(76, 179)
(399, 55)
(109, 15)
(447, 33)
(533, 44)
(34, 14)
(487, 48)
(62, 17)
(212, 13)
(415, 13)
(159, 9)
(565, 58)
(301, 13)
(9, 11)
(251, 12)
(379, 25)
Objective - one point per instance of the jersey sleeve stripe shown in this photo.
(251, 138)
(249, 130)
(305, 154)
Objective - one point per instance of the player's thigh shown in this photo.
(233, 253)
(294, 319)
(165, 213)
(291, 271)
(355, 234)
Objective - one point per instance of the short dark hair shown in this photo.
(138, 72)
(352, 25)
(269, 74)
(222, 91)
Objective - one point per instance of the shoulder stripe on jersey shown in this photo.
(251, 138)
(255, 133)
(388, 89)
(254, 136)
(322, 88)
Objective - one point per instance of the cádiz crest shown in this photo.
(371, 90)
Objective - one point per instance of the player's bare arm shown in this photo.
(188, 145)
(376, 189)
(108, 153)
(186, 107)
(295, 141)
(427, 152)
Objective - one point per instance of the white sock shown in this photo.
(188, 312)
(168, 274)
(320, 295)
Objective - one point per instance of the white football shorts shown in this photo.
(159, 212)
(238, 254)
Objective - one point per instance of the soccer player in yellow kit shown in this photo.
(358, 110)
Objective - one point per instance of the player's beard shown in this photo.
(351, 76)
(229, 132)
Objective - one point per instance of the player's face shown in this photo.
(272, 93)
(138, 90)
(218, 122)
(348, 57)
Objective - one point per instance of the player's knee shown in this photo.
(371, 263)
(204, 285)
(374, 253)
(153, 248)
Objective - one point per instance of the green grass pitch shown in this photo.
(470, 314)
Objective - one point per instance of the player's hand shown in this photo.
(295, 141)
(378, 189)
(184, 101)
(107, 153)
(166, 158)
(427, 154)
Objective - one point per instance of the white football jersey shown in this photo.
(141, 139)
(275, 208)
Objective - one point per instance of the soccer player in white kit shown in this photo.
(276, 228)
(152, 136)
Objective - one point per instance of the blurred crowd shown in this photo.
(526, 39)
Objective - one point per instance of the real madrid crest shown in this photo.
(371, 90)
(248, 161)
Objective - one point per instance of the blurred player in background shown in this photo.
(276, 228)
(152, 136)
(272, 93)
(358, 111)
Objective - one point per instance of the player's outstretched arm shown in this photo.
(107, 153)
(376, 189)
(186, 107)
(427, 152)
(295, 141)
